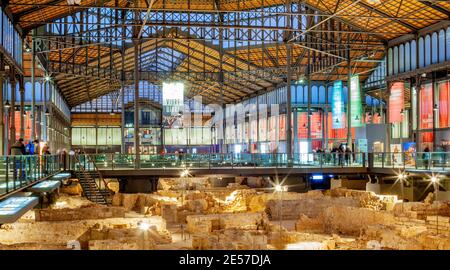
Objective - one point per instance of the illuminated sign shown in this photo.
(46, 186)
(396, 102)
(13, 208)
(337, 105)
(173, 104)
(356, 102)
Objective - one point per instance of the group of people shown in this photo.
(31, 148)
(338, 155)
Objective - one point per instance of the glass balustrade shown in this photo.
(419, 161)
(19, 171)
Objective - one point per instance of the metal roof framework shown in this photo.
(222, 49)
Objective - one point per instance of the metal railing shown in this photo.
(427, 161)
(229, 160)
(17, 172)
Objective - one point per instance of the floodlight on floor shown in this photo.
(144, 226)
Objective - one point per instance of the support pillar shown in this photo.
(325, 126)
(33, 87)
(349, 110)
(295, 127)
(288, 86)
(22, 109)
(44, 129)
(308, 114)
(258, 144)
(3, 140)
(12, 134)
(136, 104)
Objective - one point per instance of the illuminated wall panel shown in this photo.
(444, 101)
(396, 102)
(426, 106)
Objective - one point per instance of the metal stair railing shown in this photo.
(90, 188)
(105, 190)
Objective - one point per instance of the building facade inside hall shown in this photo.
(224, 124)
(418, 115)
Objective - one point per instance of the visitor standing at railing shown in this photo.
(426, 157)
(18, 149)
(63, 160)
(37, 148)
(348, 154)
(45, 155)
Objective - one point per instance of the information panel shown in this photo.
(337, 105)
(356, 103)
(173, 104)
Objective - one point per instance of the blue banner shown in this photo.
(337, 105)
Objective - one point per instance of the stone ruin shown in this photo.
(232, 217)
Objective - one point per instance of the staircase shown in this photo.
(88, 176)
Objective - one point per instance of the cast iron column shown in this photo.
(349, 110)
(3, 140)
(22, 109)
(288, 85)
(12, 129)
(136, 104)
(33, 87)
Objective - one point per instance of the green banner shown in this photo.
(356, 112)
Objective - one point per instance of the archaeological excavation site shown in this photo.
(241, 213)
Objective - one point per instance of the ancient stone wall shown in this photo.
(350, 220)
(308, 206)
(209, 223)
(191, 183)
(61, 232)
(230, 239)
(88, 212)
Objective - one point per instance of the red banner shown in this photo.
(426, 106)
(396, 102)
(444, 100)
(316, 125)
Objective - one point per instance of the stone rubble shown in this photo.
(233, 217)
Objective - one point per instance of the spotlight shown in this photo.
(7, 105)
(47, 112)
(435, 107)
(184, 173)
(434, 179)
(374, 2)
(47, 78)
(278, 188)
(144, 226)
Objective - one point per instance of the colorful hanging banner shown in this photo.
(173, 104)
(396, 102)
(337, 105)
(356, 103)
